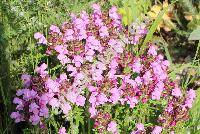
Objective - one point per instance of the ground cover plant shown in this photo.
(102, 71)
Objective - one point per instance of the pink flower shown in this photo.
(78, 60)
(63, 77)
(72, 96)
(191, 94)
(176, 92)
(63, 59)
(157, 130)
(116, 45)
(113, 64)
(140, 127)
(115, 95)
(137, 66)
(112, 127)
(113, 13)
(111, 74)
(93, 98)
(101, 98)
(103, 31)
(172, 132)
(93, 112)
(152, 50)
(52, 85)
(66, 107)
(80, 100)
(190, 98)
(69, 35)
(92, 88)
(45, 97)
(41, 70)
(96, 7)
(55, 29)
(62, 130)
(147, 77)
(71, 69)
(138, 80)
(61, 49)
(41, 38)
(132, 101)
(54, 103)
(156, 94)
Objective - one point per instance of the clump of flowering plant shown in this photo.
(102, 85)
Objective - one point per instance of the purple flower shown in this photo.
(35, 119)
(29, 94)
(44, 111)
(33, 107)
(26, 80)
(18, 117)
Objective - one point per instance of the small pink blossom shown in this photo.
(42, 70)
(152, 50)
(80, 100)
(176, 92)
(40, 37)
(62, 130)
(54, 103)
(55, 29)
(112, 127)
(66, 107)
(157, 130)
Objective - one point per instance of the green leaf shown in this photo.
(127, 70)
(195, 35)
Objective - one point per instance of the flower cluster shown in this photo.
(100, 71)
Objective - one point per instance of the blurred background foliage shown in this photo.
(174, 25)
